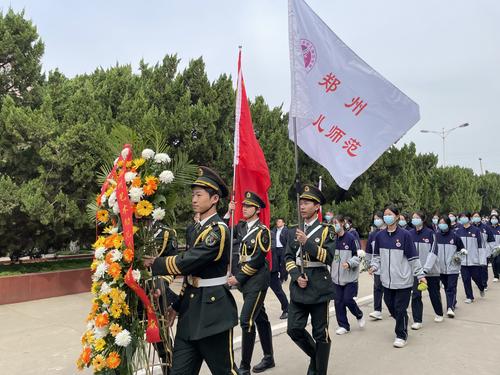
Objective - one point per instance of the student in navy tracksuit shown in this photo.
(395, 255)
(471, 263)
(495, 261)
(450, 254)
(345, 272)
(453, 220)
(488, 240)
(435, 222)
(425, 243)
(378, 289)
(403, 221)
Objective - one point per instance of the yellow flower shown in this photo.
(129, 164)
(126, 309)
(95, 288)
(90, 337)
(102, 216)
(79, 364)
(99, 345)
(117, 242)
(108, 229)
(105, 299)
(135, 229)
(144, 208)
(94, 265)
(115, 329)
(99, 243)
(138, 162)
(110, 191)
(115, 310)
(98, 363)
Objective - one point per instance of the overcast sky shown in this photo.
(444, 54)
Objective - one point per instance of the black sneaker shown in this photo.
(284, 315)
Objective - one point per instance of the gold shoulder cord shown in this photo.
(166, 235)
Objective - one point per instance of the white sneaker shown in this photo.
(416, 326)
(399, 343)
(495, 280)
(468, 301)
(341, 331)
(450, 313)
(438, 318)
(361, 322)
(376, 315)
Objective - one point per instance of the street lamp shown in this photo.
(443, 134)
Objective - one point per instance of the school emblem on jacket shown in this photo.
(451, 241)
(426, 240)
(316, 239)
(398, 244)
(473, 235)
(346, 247)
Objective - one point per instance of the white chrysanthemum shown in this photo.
(123, 338)
(116, 161)
(99, 252)
(90, 325)
(124, 153)
(116, 208)
(158, 213)
(103, 198)
(136, 193)
(105, 288)
(361, 253)
(114, 230)
(166, 177)
(116, 255)
(100, 333)
(101, 269)
(162, 158)
(147, 153)
(129, 176)
(112, 199)
(136, 274)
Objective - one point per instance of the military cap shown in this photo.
(312, 193)
(252, 199)
(208, 178)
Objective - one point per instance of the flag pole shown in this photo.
(233, 193)
(297, 189)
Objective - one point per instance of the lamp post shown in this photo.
(443, 134)
(481, 165)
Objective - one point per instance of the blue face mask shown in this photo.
(452, 218)
(464, 220)
(476, 219)
(389, 219)
(435, 221)
(378, 222)
(494, 221)
(443, 227)
(328, 217)
(402, 223)
(338, 227)
(416, 222)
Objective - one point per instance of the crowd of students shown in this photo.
(410, 253)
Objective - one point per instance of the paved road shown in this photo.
(43, 337)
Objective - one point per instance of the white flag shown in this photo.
(346, 113)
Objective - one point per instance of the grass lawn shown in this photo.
(47, 266)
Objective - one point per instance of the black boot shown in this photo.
(266, 341)
(322, 356)
(311, 370)
(247, 344)
(266, 363)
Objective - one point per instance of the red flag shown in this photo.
(251, 171)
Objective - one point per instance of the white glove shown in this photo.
(464, 252)
(361, 253)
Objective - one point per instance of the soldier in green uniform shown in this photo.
(253, 279)
(311, 289)
(207, 310)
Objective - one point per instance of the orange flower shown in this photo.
(149, 189)
(98, 199)
(99, 242)
(79, 364)
(136, 182)
(151, 180)
(94, 308)
(114, 270)
(128, 255)
(108, 257)
(115, 240)
(85, 356)
(102, 320)
(113, 360)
